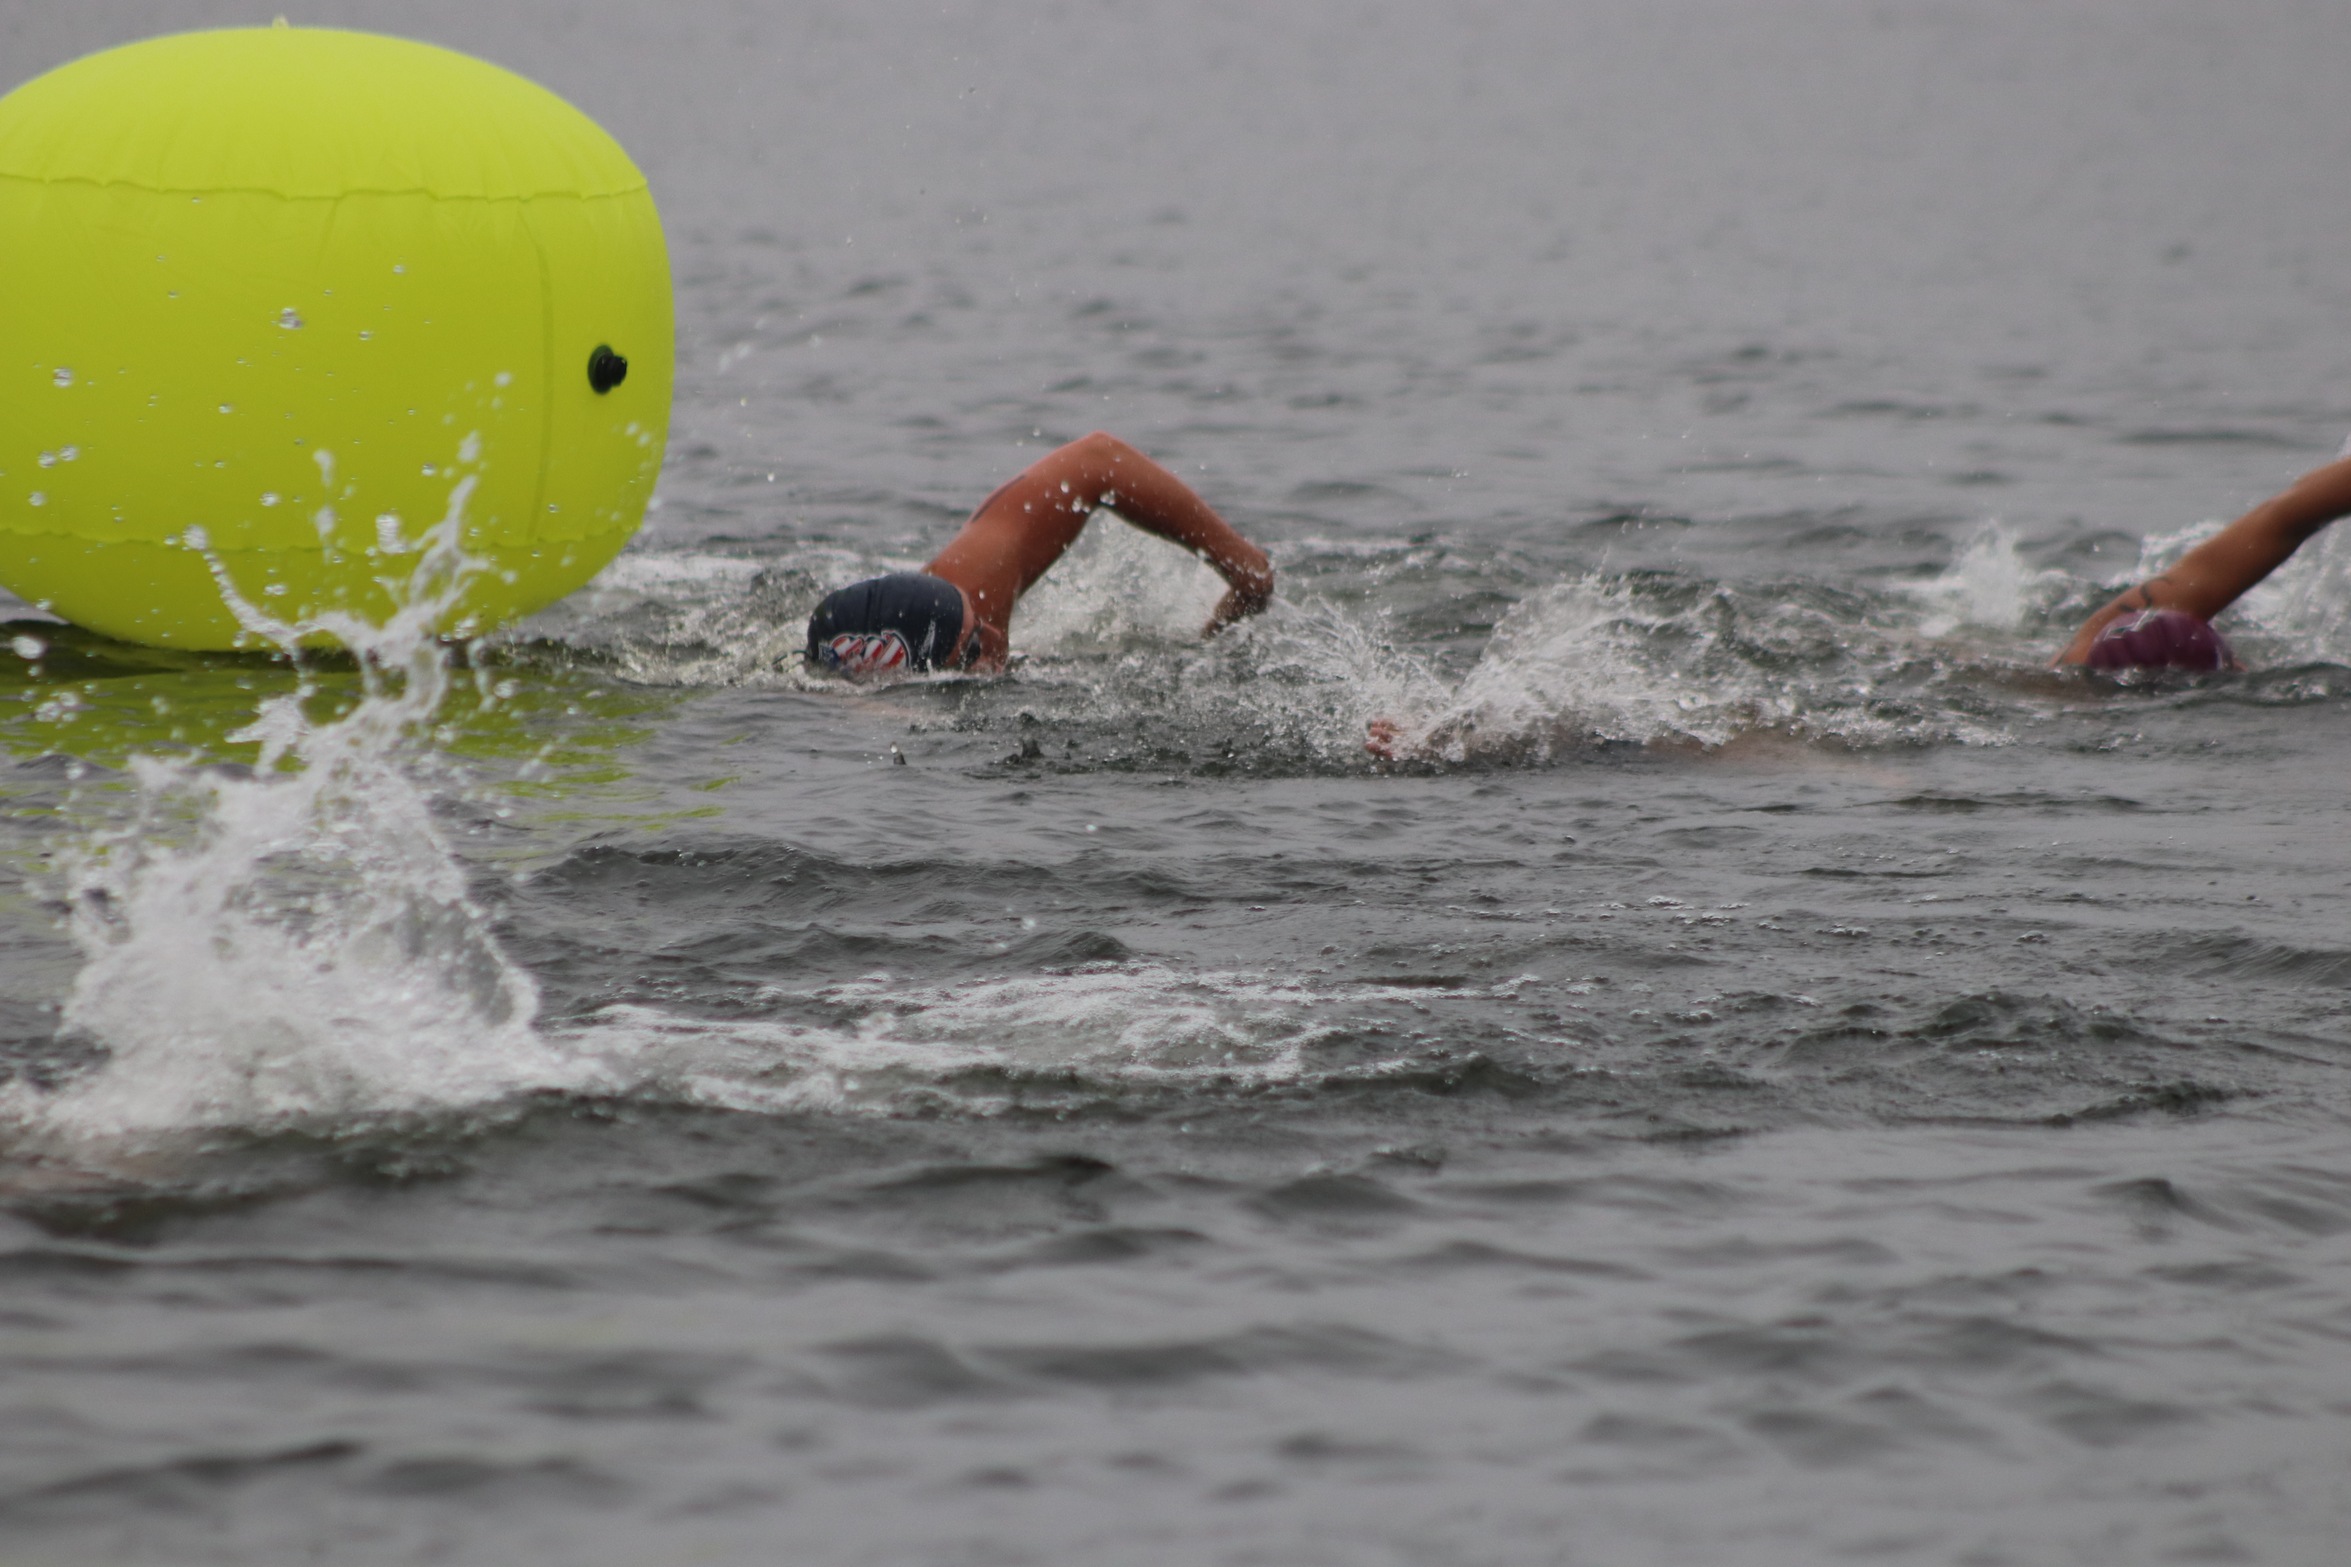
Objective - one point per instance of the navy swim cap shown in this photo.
(904, 623)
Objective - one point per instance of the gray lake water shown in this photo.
(1777, 1076)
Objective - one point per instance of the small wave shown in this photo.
(2211, 435)
(1650, 657)
(2244, 958)
(977, 1048)
(1135, 1035)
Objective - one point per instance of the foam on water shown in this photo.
(983, 1047)
(1111, 636)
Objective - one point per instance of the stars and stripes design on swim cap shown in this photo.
(866, 653)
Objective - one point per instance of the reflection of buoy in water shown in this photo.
(272, 299)
(2160, 639)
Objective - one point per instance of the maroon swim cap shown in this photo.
(2160, 639)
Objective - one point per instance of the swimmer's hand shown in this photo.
(1446, 739)
(1250, 592)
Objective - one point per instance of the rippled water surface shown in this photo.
(1773, 1075)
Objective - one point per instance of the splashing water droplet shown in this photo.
(61, 377)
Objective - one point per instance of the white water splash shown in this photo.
(295, 947)
(2302, 614)
(1116, 586)
(1988, 587)
(1303, 675)
(691, 619)
(2159, 552)
(1588, 660)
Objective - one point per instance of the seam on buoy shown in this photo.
(538, 522)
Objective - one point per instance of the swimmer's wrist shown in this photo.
(1251, 583)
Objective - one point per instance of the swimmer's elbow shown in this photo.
(1102, 446)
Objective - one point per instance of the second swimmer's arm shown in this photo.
(2211, 577)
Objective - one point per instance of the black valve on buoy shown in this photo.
(606, 369)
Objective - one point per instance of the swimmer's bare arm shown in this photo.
(2211, 577)
(1022, 529)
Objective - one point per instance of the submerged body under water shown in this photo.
(1778, 1074)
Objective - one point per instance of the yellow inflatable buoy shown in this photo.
(275, 301)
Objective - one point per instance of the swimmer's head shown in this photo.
(2160, 639)
(901, 624)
